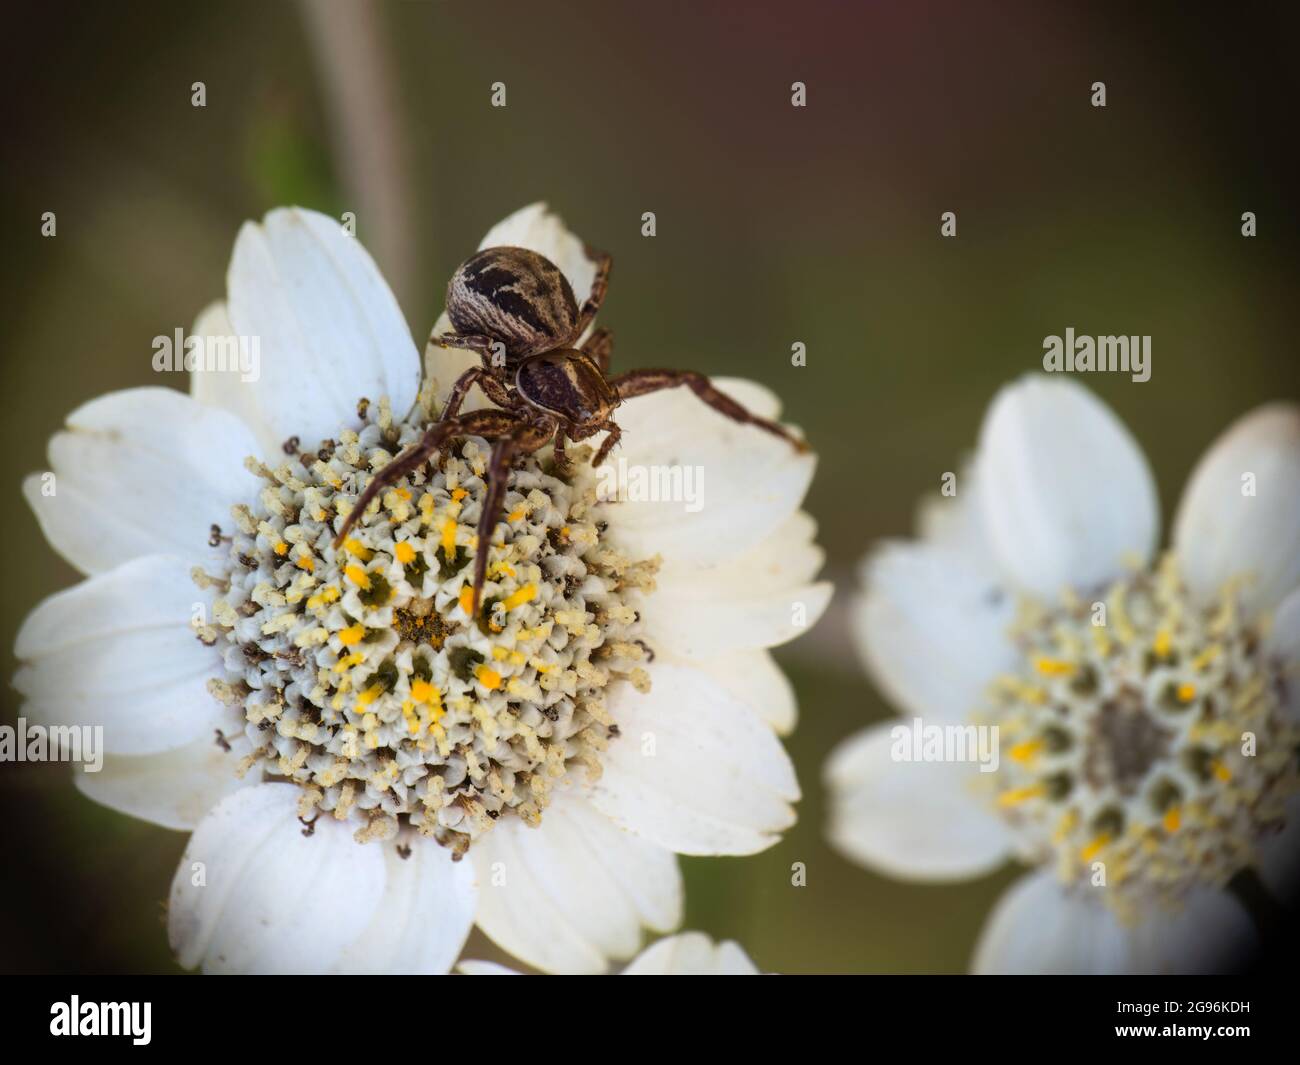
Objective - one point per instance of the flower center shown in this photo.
(1150, 747)
(360, 673)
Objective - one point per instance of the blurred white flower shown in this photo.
(334, 727)
(1148, 707)
(685, 954)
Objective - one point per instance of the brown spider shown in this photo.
(517, 311)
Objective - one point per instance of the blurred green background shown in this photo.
(775, 225)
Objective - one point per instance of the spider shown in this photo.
(517, 310)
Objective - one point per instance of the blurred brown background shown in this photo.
(775, 225)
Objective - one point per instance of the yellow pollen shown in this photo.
(281, 549)
(516, 515)
(348, 661)
(1162, 644)
(1094, 848)
(1023, 752)
(1172, 819)
(1206, 657)
(458, 494)
(356, 549)
(466, 598)
(358, 576)
(1053, 667)
(404, 553)
(423, 692)
(449, 538)
(351, 635)
(1018, 795)
(489, 678)
(306, 563)
(369, 696)
(1186, 693)
(1221, 772)
(524, 595)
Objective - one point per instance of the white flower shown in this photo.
(685, 954)
(333, 727)
(1148, 708)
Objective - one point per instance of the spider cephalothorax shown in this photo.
(516, 309)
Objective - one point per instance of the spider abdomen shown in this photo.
(515, 296)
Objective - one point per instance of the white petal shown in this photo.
(329, 329)
(1067, 496)
(745, 483)
(1279, 856)
(269, 899)
(1039, 928)
(756, 680)
(910, 820)
(956, 522)
(141, 472)
(174, 789)
(1283, 646)
(424, 917)
(117, 650)
(692, 954)
(574, 892)
(695, 770)
(759, 599)
(224, 389)
(534, 227)
(1221, 533)
(931, 628)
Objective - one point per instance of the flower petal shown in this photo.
(694, 769)
(226, 390)
(139, 472)
(117, 650)
(574, 892)
(910, 820)
(692, 954)
(174, 788)
(931, 628)
(1283, 645)
(328, 328)
(759, 599)
(423, 919)
(745, 483)
(756, 680)
(1279, 856)
(1039, 928)
(1066, 495)
(254, 894)
(1222, 533)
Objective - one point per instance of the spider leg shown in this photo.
(484, 345)
(600, 346)
(492, 387)
(642, 382)
(599, 286)
(615, 434)
(523, 439)
(562, 463)
(487, 423)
